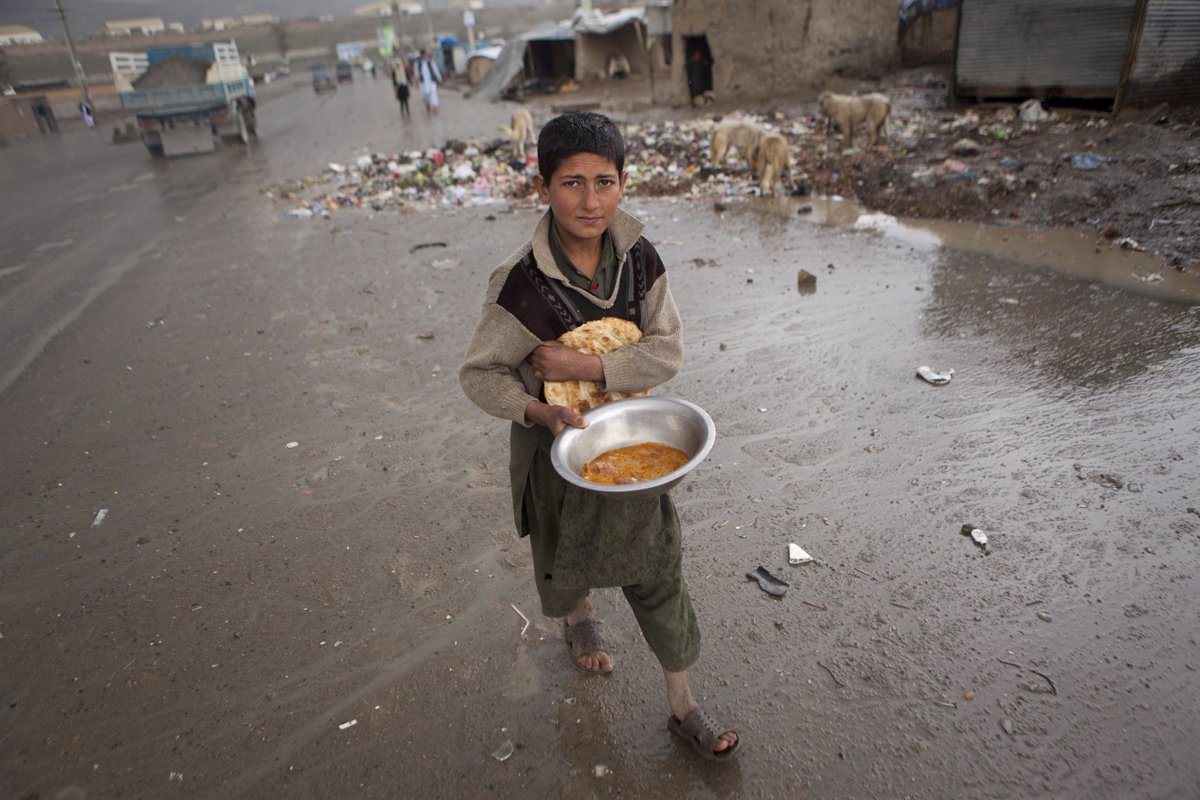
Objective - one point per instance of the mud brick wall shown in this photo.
(764, 47)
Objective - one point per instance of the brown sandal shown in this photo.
(582, 638)
(701, 731)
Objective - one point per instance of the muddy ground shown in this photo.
(251, 619)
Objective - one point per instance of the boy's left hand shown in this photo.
(554, 361)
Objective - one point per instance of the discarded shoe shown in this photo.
(768, 582)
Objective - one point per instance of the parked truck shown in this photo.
(186, 97)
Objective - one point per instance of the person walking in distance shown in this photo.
(428, 76)
(400, 82)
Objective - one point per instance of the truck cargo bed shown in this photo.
(181, 99)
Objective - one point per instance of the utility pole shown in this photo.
(428, 24)
(85, 93)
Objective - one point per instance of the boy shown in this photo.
(588, 260)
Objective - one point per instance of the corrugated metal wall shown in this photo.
(1047, 48)
(1166, 67)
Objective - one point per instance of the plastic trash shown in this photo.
(797, 555)
(1087, 161)
(936, 378)
(768, 582)
(100, 515)
(977, 536)
(346, 725)
(1032, 111)
(504, 751)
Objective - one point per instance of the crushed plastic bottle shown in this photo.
(977, 536)
(936, 378)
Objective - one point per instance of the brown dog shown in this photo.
(847, 111)
(520, 131)
(772, 160)
(745, 136)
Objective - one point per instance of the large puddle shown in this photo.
(1072, 252)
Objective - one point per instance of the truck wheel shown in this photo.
(156, 150)
(251, 123)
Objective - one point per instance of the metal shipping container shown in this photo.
(1164, 63)
(1042, 48)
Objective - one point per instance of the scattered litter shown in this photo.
(425, 246)
(1044, 616)
(522, 616)
(817, 606)
(969, 694)
(504, 751)
(768, 582)
(831, 674)
(290, 445)
(444, 264)
(1009, 301)
(100, 515)
(804, 210)
(797, 555)
(1087, 161)
(1032, 112)
(601, 771)
(806, 281)
(175, 776)
(966, 147)
(936, 378)
(346, 725)
(977, 536)
(1129, 243)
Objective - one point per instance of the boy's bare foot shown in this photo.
(593, 660)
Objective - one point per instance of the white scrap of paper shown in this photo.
(100, 515)
(797, 555)
(349, 724)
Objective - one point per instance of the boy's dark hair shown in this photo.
(579, 132)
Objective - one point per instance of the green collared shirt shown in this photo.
(601, 284)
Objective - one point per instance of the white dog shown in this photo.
(745, 136)
(520, 131)
(847, 111)
(772, 160)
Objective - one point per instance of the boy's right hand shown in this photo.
(553, 417)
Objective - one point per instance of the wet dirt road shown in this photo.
(242, 601)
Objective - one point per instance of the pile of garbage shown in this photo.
(668, 158)
(458, 175)
(672, 159)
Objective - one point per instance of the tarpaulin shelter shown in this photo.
(599, 36)
(544, 55)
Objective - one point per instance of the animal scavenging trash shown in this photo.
(768, 582)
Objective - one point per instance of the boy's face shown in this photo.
(583, 193)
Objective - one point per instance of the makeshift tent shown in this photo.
(545, 54)
(599, 36)
(479, 62)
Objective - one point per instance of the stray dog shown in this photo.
(847, 111)
(772, 160)
(520, 131)
(743, 135)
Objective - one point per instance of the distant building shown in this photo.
(176, 27)
(381, 8)
(219, 23)
(259, 19)
(18, 34)
(128, 27)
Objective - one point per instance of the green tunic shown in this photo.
(586, 540)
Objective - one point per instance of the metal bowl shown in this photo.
(666, 420)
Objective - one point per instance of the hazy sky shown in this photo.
(87, 16)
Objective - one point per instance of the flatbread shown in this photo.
(594, 338)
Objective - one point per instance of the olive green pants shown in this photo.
(643, 535)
